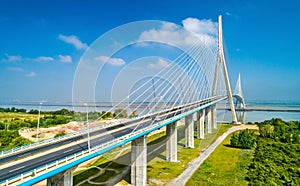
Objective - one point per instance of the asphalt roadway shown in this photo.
(97, 137)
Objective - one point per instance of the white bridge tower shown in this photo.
(221, 58)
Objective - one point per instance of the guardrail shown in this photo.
(54, 165)
(97, 150)
(56, 139)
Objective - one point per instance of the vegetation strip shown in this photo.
(188, 172)
(225, 166)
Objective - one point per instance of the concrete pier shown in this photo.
(214, 116)
(189, 131)
(171, 144)
(208, 123)
(200, 124)
(139, 161)
(62, 179)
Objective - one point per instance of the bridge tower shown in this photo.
(238, 93)
(221, 59)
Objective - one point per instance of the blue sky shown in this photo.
(42, 41)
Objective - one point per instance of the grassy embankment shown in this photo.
(158, 170)
(4, 116)
(225, 166)
(9, 136)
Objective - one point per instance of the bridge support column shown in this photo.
(208, 120)
(62, 179)
(214, 116)
(139, 161)
(200, 124)
(171, 145)
(189, 131)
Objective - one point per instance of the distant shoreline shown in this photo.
(110, 105)
(263, 109)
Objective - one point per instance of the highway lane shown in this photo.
(51, 157)
(45, 147)
(33, 150)
(59, 154)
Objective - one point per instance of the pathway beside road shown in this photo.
(195, 164)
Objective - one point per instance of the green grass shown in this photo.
(85, 174)
(225, 166)
(159, 169)
(105, 176)
(8, 116)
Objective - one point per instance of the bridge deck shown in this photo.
(126, 131)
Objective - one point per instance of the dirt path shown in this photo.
(195, 164)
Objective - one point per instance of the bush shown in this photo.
(9, 139)
(245, 139)
(61, 133)
(276, 160)
(120, 113)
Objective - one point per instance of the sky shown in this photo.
(41, 42)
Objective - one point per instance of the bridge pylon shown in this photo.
(221, 60)
(238, 94)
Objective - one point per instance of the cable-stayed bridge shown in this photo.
(189, 90)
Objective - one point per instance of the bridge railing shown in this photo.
(56, 139)
(98, 150)
(53, 165)
(72, 134)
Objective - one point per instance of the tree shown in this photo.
(133, 114)
(18, 141)
(120, 113)
(265, 130)
(33, 111)
(244, 139)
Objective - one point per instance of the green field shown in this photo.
(6, 116)
(225, 166)
(159, 169)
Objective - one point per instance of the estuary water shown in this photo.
(290, 110)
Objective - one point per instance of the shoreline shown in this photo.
(263, 109)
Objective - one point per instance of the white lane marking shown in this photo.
(17, 169)
(68, 150)
(24, 154)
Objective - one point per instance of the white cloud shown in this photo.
(16, 69)
(31, 74)
(201, 27)
(111, 61)
(159, 64)
(237, 49)
(205, 30)
(43, 59)
(12, 58)
(73, 40)
(65, 59)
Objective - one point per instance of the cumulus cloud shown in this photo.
(73, 40)
(43, 59)
(65, 59)
(31, 74)
(204, 30)
(159, 64)
(201, 27)
(12, 58)
(111, 61)
(16, 69)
